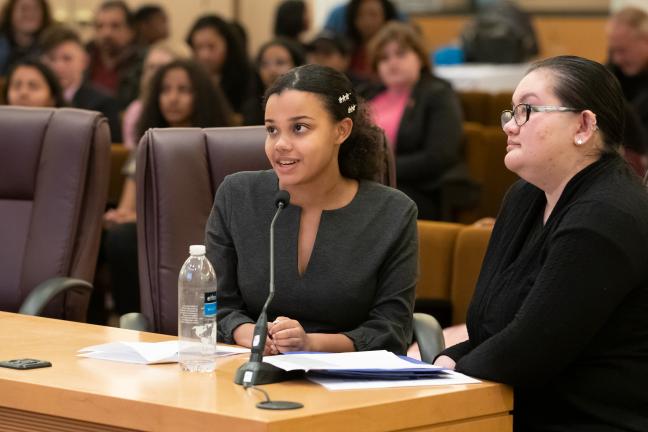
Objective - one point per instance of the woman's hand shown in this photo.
(118, 216)
(244, 333)
(288, 335)
(445, 362)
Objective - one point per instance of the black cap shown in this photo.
(328, 41)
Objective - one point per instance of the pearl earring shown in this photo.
(579, 140)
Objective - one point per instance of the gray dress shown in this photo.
(361, 276)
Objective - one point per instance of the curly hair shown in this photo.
(362, 155)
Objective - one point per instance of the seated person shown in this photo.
(346, 247)
(30, 83)
(63, 51)
(421, 116)
(559, 311)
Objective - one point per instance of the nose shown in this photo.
(510, 127)
(282, 144)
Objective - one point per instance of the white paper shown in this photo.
(344, 361)
(451, 377)
(146, 352)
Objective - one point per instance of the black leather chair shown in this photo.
(53, 189)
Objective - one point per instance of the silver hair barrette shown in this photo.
(344, 97)
(351, 109)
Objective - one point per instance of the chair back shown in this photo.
(53, 189)
(178, 173)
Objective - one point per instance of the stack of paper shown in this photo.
(146, 352)
(367, 369)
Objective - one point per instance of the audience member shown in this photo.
(115, 61)
(364, 19)
(63, 51)
(291, 20)
(218, 47)
(627, 33)
(275, 58)
(151, 24)
(21, 22)
(420, 114)
(30, 83)
(181, 94)
(157, 56)
(559, 311)
(325, 153)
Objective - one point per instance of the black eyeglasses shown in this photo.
(521, 112)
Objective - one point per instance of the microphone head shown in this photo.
(282, 198)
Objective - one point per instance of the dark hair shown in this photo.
(50, 79)
(56, 35)
(6, 26)
(237, 71)
(352, 13)
(587, 85)
(122, 6)
(289, 19)
(361, 155)
(210, 109)
(294, 49)
(406, 36)
(146, 12)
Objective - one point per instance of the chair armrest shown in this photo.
(44, 292)
(429, 335)
(134, 321)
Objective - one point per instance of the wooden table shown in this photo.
(81, 394)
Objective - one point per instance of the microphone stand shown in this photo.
(255, 371)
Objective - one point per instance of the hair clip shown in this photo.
(344, 97)
(351, 109)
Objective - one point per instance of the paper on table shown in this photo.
(345, 361)
(445, 378)
(146, 352)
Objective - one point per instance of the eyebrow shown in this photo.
(302, 117)
(525, 96)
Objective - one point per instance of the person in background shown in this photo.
(325, 153)
(218, 47)
(420, 114)
(157, 56)
(627, 35)
(32, 84)
(274, 59)
(151, 24)
(21, 22)
(364, 19)
(332, 49)
(291, 20)
(115, 61)
(559, 310)
(181, 94)
(63, 52)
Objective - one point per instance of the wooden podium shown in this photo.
(82, 394)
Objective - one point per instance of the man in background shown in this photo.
(64, 53)
(115, 60)
(151, 24)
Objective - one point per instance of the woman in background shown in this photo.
(219, 48)
(559, 311)
(30, 83)
(181, 94)
(420, 114)
(274, 59)
(291, 20)
(21, 22)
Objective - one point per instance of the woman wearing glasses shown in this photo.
(560, 308)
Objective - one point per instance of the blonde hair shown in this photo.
(403, 34)
(632, 17)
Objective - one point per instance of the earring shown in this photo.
(579, 141)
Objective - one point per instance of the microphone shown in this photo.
(255, 371)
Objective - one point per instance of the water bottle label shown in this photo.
(210, 304)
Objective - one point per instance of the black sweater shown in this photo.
(560, 311)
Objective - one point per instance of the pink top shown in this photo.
(129, 124)
(387, 110)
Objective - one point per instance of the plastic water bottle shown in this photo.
(197, 313)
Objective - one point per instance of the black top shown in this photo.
(91, 98)
(560, 311)
(360, 278)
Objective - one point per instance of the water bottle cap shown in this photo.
(197, 250)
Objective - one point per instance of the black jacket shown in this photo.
(91, 98)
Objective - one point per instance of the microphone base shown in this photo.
(262, 373)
